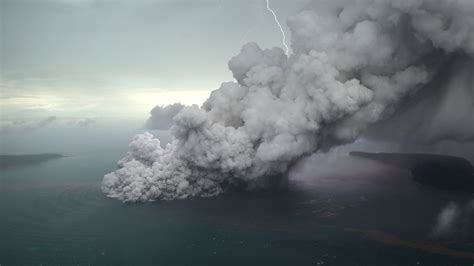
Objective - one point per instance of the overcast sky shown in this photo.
(83, 58)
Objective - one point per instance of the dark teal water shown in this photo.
(54, 213)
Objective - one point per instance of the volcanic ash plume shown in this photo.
(162, 117)
(353, 64)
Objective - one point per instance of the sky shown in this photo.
(77, 59)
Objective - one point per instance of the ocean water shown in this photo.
(53, 213)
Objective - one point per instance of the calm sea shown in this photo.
(54, 213)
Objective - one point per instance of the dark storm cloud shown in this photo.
(442, 111)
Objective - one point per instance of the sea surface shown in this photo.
(54, 213)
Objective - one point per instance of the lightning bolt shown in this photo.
(287, 50)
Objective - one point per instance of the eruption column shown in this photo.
(353, 64)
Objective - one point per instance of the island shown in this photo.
(440, 171)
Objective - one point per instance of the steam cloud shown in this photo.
(446, 221)
(354, 64)
(454, 220)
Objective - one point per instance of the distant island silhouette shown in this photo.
(440, 171)
(7, 161)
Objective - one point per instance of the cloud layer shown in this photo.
(17, 126)
(354, 63)
(29, 125)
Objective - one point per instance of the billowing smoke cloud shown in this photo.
(354, 63)
(162, 116)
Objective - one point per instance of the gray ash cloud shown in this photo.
(353, 64)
